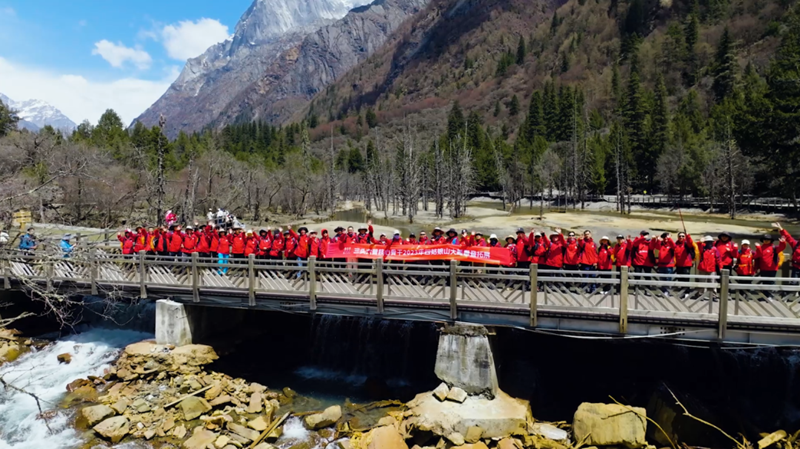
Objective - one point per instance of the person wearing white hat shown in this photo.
(494, 242)
(604, 261)
(708, 259)
(746, 261)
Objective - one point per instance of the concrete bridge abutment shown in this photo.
(464, 359)
(182, 324)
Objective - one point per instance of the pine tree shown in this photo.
(691, 34)
(554, 23)
(550, 109)
(496, 108)
(725, 67)
(659, 128)
(513, 107)
(8, 120)
(372, 118)
(534, 123)
(455, 123)
(616, 88)
(635, 116)
(521, 51)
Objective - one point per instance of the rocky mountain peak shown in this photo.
(36, 114)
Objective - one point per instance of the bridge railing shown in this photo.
(710, 300)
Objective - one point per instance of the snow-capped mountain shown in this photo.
(36, 114)
(265, 31)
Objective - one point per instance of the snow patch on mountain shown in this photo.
(36, 114)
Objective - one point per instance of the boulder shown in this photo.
(222, 441)
(610, 425)
(96, 413)
(244, 432)
(200, 439)
(10, 352)
(64, 358)
(386, 437)
(121, 405)
(179, 432)
(473, 434)
(259, 424)
(219, 400)
(441, 391)
(508, 443)
(265, 446)
(193, 407)
(548, 431)
(478, 445)
(113, 429)
(456, 438)
(213, 392)
(256, 403)
(457, 395)
(327, 418)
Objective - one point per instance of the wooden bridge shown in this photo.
(721, 309)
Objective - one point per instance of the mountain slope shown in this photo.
(325, 55)
(36, 114)
(208, 82)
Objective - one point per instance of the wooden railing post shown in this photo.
(379, 284)
(723, 303)
(312, 283)
(251, 279)
(534, 293)
(623, 300)
(142, 275)
(49, 268)
(93, 271)
(195, 278)
(453, 290)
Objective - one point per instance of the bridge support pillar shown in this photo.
(173, 323)
(464, 359)
(182, 324)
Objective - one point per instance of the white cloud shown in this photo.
(117, 54)
(188, 39)
(78, 97)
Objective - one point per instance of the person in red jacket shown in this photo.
(641, 255)
(250, 243)
(204, 241)
(303, 241)
(314, 244)
(727, 251)
(588, 252)
(324, 243)
(423, 238)
(795, 249)
(622, 252)
(264, 244)
(159, 242)
(238, 243)
(572, 256)
(605, 262)
(175, 242)
(511, 244)
(666, 254)
(214, 241)
(189, 242)
(276, 249)
(140, 240)
(709, 258)
(223, 250)
(479, 240)
(365, 234)
(524, 245)
(494, 242)
(539, 247)
(768, 258)
(438, 237)
(554, 259)
(746, 261)
(412, 239)
(289, 246)
(128, 241)
(685, 253)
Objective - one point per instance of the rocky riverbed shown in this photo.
(163, 395)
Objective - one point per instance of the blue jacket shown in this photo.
(66, 248)
(27, 242)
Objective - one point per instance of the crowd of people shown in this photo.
(550, 251)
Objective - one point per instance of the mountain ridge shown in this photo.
(36, 114)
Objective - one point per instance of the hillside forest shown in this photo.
(592, 97)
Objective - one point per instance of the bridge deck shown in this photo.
(713, 308)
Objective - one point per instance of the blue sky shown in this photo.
(84, 56)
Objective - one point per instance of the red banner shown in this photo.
(476, 254)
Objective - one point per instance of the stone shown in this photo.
(498, 417)
(96, 413)
(259, 424)
(343, 444)
(141, 406)
(441, 391)
(167, 425)
(548, 431)
(464, 359)
(220, 400)
(610, 425)
(265, 446)
(213, 392)
(200, 439)
(64, 358)
(121, 405)
(193, 407)
(10, 352)
(149, 434)
(455, 438)
(222, 441)
(244, 432)
(457, 395)
(386, 421)
(113, 429)
(473, 434)
(256, 403)
(386, 437)
(327, 418)
(478, 445)
(507, 443)
(179, 432)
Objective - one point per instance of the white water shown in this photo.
(40, 373)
